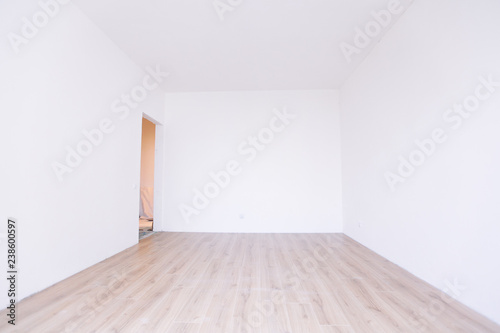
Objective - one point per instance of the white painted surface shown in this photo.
(260, 44)
(443, 222)
(62, 82)
(292, 185)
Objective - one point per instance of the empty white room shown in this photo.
(238, 166)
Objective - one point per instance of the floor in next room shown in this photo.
(145, 227)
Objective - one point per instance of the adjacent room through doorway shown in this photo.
(146, 207)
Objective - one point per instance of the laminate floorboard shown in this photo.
(245, 283)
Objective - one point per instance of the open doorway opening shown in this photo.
(147, 188)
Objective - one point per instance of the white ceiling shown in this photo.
(260, 45)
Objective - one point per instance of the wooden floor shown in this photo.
(185, 282)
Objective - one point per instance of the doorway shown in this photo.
(147, 182)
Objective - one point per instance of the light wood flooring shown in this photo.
(245, 283)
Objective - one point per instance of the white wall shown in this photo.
(63, 82)
(442, 223)
(292, 185)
